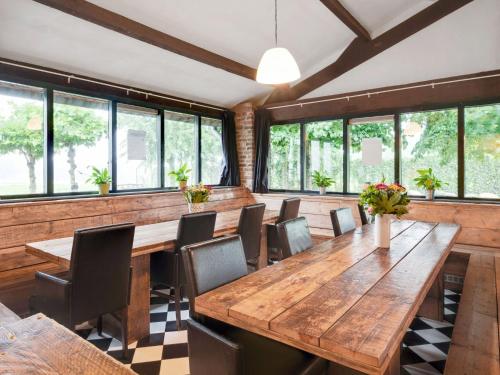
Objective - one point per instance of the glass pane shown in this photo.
(359, 173)
(429, 140)
(80, 140)
(482, 151)
(324, 152)
(212, 158)
(284, 157)
(138, 143)
(180, 145)
(21, 139)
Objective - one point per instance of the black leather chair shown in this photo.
(342, 221)
(362, 214)
(294, 236)
(218, 348)
(289, 210)
(167, 269)
(249, 229)
(98, 281)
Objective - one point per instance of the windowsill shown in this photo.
(88, 195)
(419, 200)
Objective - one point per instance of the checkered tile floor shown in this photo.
(165, 351)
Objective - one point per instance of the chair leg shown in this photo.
(99, 325)
(124, 321)
(178, 307)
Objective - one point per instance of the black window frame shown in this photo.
(113, 101)
(397, 147)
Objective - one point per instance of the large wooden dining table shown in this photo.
(148, 239)
(345, 299)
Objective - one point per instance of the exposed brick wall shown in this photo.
(245, 142)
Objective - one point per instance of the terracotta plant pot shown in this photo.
(103, 189)
(182, 185)
(429, 195)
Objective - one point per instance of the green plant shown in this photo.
(384, 199)
(181, 174)
(427, 180)
(99, 176)
(321, 180)
(197, 193)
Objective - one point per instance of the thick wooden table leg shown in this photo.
(394, 367)
(433, 305)
(263, 247)
(138, 310)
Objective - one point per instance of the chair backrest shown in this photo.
(250, 227)
(362, 214)
(100, 270)
(294, 236)
(289, 209)
(342, 221)
(213, 263)
(193, 228)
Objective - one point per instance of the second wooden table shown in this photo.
(148, 239)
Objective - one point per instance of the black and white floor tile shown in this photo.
(165, 351)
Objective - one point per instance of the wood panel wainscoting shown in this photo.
(25, 222)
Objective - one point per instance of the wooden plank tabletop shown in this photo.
(148, 238)
(345, 300)
(39, 345)
(7, 316)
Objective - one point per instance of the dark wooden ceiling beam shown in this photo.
(113, 21)
(361, 50)
(347, 18)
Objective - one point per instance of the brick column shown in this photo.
(245, 142)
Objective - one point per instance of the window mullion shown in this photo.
(113, 144)
(302, 155)
(345, 169)
(397, 148)
(198, 150)
(48, 148)
(461, 153)
(161, 133)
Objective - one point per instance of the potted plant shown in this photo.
(427, 180)
(383, 201)
(322, 181)
(196, 197)
(181, 175)
(101, 178)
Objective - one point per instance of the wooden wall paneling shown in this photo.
(480, 221)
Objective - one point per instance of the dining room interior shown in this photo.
(250, 187)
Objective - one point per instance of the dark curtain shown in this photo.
(231, 172)
(262, 125)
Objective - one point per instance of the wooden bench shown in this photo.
(475, 343)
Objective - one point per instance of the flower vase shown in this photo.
(429, 195)
(196, 207)
(383, 231)
(322, 190)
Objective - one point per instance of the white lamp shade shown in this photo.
(277, 66)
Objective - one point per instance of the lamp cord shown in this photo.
(276, 23)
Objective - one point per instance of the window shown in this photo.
(429, 140)
(21, 139)
(80, 140)
(284, 157)
(375, 127)
(212, 157)
(180, 145)
(482, 151)
(324, 152)
(138, 148)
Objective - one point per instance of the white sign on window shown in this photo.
(136, 144)
(371, 151)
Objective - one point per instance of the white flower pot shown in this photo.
(196, 207)
(383, 231)
(429, 195)
(322, 190)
